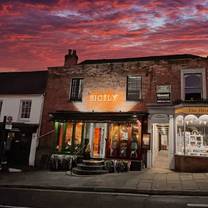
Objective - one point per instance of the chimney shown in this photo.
(71, 58)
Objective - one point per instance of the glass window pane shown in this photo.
(193, 86)
(68, 137)
(133, 88)
(192, 135)
(78, 134)
(76, 89)
(25, 108)
(114, 140)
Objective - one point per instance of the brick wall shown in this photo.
(112, 77)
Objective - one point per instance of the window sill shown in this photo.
(75, 100)
(24, 119)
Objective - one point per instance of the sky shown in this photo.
(36, 34)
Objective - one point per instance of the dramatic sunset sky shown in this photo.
(36, 34)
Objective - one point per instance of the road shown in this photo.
(39, 198)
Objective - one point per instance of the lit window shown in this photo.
(76, 89)
(193, 86)
(25, 109)
(192, 135)
(133, 92)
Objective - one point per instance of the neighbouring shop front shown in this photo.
(191, 135)
(17, 144)
(161, 128)
(116, 135)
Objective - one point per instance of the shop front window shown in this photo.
(68, 137)
(66, 140)
(192, 135)
(125, 140)
(114, 140)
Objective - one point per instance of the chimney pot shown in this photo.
(71, 58)
(70, 51)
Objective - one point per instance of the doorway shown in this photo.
(96, 134)
(160, 146)
(99, 140)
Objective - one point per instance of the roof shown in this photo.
(23, 82)
(147, 58)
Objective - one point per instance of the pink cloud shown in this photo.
(37, 34)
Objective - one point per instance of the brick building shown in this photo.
(131, 108)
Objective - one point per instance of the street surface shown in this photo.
(40, 198)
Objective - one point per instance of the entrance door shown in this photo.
(160, 146)
(96, 142)
(99, 140)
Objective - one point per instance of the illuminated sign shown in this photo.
(192, 110)
(103, 97)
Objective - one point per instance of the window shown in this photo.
(1, 102)
(133, 88)
(193, 86)
(192, 135)
(76, 89)
(25, 109)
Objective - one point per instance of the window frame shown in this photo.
(127, 88)
(193, 71)
(21, 109)
(76, 99)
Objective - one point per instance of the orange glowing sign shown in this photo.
(103, 97)
(105, 100)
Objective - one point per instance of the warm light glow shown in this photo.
(146, 140)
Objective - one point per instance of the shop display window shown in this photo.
(66, 140)
(68, 137)
(125, 140)
(78, 134)
(192, 135)
(135, 139)
(60, 135)
(114, 140)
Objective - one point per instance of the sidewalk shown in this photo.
(148, 181)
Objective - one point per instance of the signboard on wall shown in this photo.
(192, 110)
(163, 93)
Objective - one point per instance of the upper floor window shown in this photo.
(133, 91)
(1, 103)
(193, 84)
(76, 89)
(25, 109)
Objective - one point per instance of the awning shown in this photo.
(96, 116)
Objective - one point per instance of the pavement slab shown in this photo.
(146, 181)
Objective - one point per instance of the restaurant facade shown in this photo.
(128, 109)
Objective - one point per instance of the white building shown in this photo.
(21, 100)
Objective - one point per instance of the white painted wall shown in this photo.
(11, 107)
(171, 150)
(155, 143)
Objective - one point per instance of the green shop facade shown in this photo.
(116, 135)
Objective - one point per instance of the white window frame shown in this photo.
(20, 110)
(72, 98)
(136, 99)
(189, 71)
